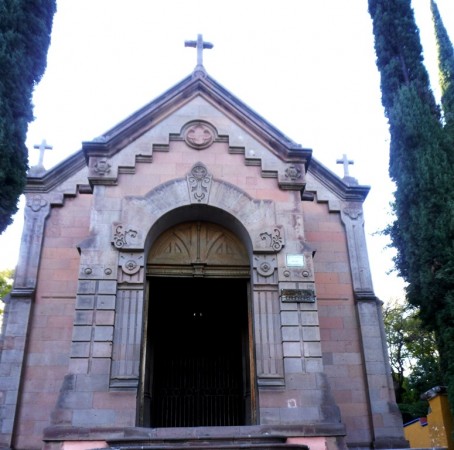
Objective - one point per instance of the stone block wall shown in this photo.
(339, 326)
(51, 319)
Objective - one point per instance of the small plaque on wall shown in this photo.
(298, 295)
(295, 260)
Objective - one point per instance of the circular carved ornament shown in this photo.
(265, 269)
(130, 267)
(199, 135)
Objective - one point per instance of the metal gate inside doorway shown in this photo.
(199, 352)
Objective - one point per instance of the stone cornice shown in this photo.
(55, 176)
(183, 92)
(346, 192)
(142, 120)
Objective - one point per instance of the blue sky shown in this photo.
(306, 66)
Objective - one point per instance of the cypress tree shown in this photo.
(445, 64)
(25, 28)
(421, 167)
(445, 316)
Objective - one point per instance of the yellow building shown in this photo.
(436, 431)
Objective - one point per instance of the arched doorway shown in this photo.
(198, 369)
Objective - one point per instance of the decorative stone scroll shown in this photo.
(123, 236)
(270, 240)
(199, 183)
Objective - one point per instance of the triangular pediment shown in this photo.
(211, 91)
(237, 124)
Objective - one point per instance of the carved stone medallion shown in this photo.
(198, 135)
(131, 262)
(265, 265)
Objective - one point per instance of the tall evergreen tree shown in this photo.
(421, 166)
(445, 65)
(25, 28)
(446, 272)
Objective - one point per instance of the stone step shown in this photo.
(204, 446)
(211, 443)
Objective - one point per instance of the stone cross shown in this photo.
(200, 45)
(345, 162)
(42, 148)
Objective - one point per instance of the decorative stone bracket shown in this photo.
(101, 171)
(292, 178)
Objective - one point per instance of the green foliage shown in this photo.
(398, 49)
(414, 358)
(424, 203)
(445, 64)
(422, 166)
(6, 284)
(25, 28)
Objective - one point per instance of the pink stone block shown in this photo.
(83, 445)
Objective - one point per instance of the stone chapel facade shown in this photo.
(194, 278)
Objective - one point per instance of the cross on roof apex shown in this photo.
(348, 179)
(200, 45)
(42, 148)
(345, 162)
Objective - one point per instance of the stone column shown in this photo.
(384, 414)
(17, 314)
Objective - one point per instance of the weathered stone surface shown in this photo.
(194, 185)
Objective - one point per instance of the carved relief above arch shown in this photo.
(225, 201)
(198, 249)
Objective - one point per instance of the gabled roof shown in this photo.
(198, 83)
(193, 85)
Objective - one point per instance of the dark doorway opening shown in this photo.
(199, 358)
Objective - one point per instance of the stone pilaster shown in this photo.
(384, 413)
(17, 315)
(128, 322)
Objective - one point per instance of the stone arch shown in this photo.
(143, 218)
